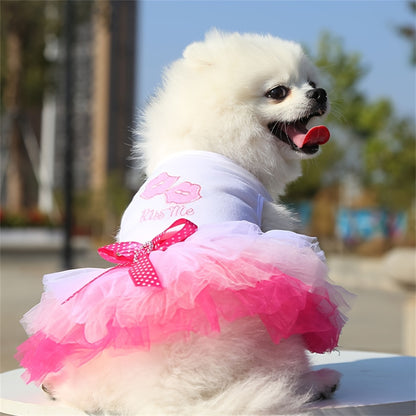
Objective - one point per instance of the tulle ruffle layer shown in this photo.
(221, 273)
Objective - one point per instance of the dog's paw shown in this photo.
(322, 383)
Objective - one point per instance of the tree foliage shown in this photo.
(408, 32)
(32, 22)
(29, 22)
(344, 71)
(390, 165)
(383, 144)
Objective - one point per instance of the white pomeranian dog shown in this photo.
(254, 100)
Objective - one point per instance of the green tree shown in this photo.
(341, 73)
(408, 32)
(390, 165)
(24, 25)
(350, 107)
(390, 157)
(381, 145)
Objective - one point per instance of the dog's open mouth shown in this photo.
(299, 137)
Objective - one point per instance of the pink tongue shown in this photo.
(316, 135)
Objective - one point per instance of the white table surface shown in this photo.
(372, 384)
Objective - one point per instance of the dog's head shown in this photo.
(251, 98)
(296, 132)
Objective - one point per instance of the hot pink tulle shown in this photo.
(221, 273)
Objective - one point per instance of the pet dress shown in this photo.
(190, 257)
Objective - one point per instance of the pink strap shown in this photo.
(136, 256)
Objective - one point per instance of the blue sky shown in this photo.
(365, 26)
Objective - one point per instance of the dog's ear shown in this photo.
(197, 55)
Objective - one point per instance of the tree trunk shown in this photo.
(100, 116)
(14, 178)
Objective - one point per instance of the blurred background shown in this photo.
(74, 75)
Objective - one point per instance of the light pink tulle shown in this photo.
(221, 273)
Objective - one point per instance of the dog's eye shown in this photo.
(312, 84)
(278, 93)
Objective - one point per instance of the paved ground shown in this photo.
(378, 321)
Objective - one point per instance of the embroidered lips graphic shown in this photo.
(158, 185)
(183, 193)
(164, 184)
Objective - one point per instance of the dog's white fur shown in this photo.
(214, 99)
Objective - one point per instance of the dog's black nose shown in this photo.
(318, 94)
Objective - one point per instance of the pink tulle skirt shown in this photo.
(221, 273)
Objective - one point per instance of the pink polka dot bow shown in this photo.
(136, 255)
